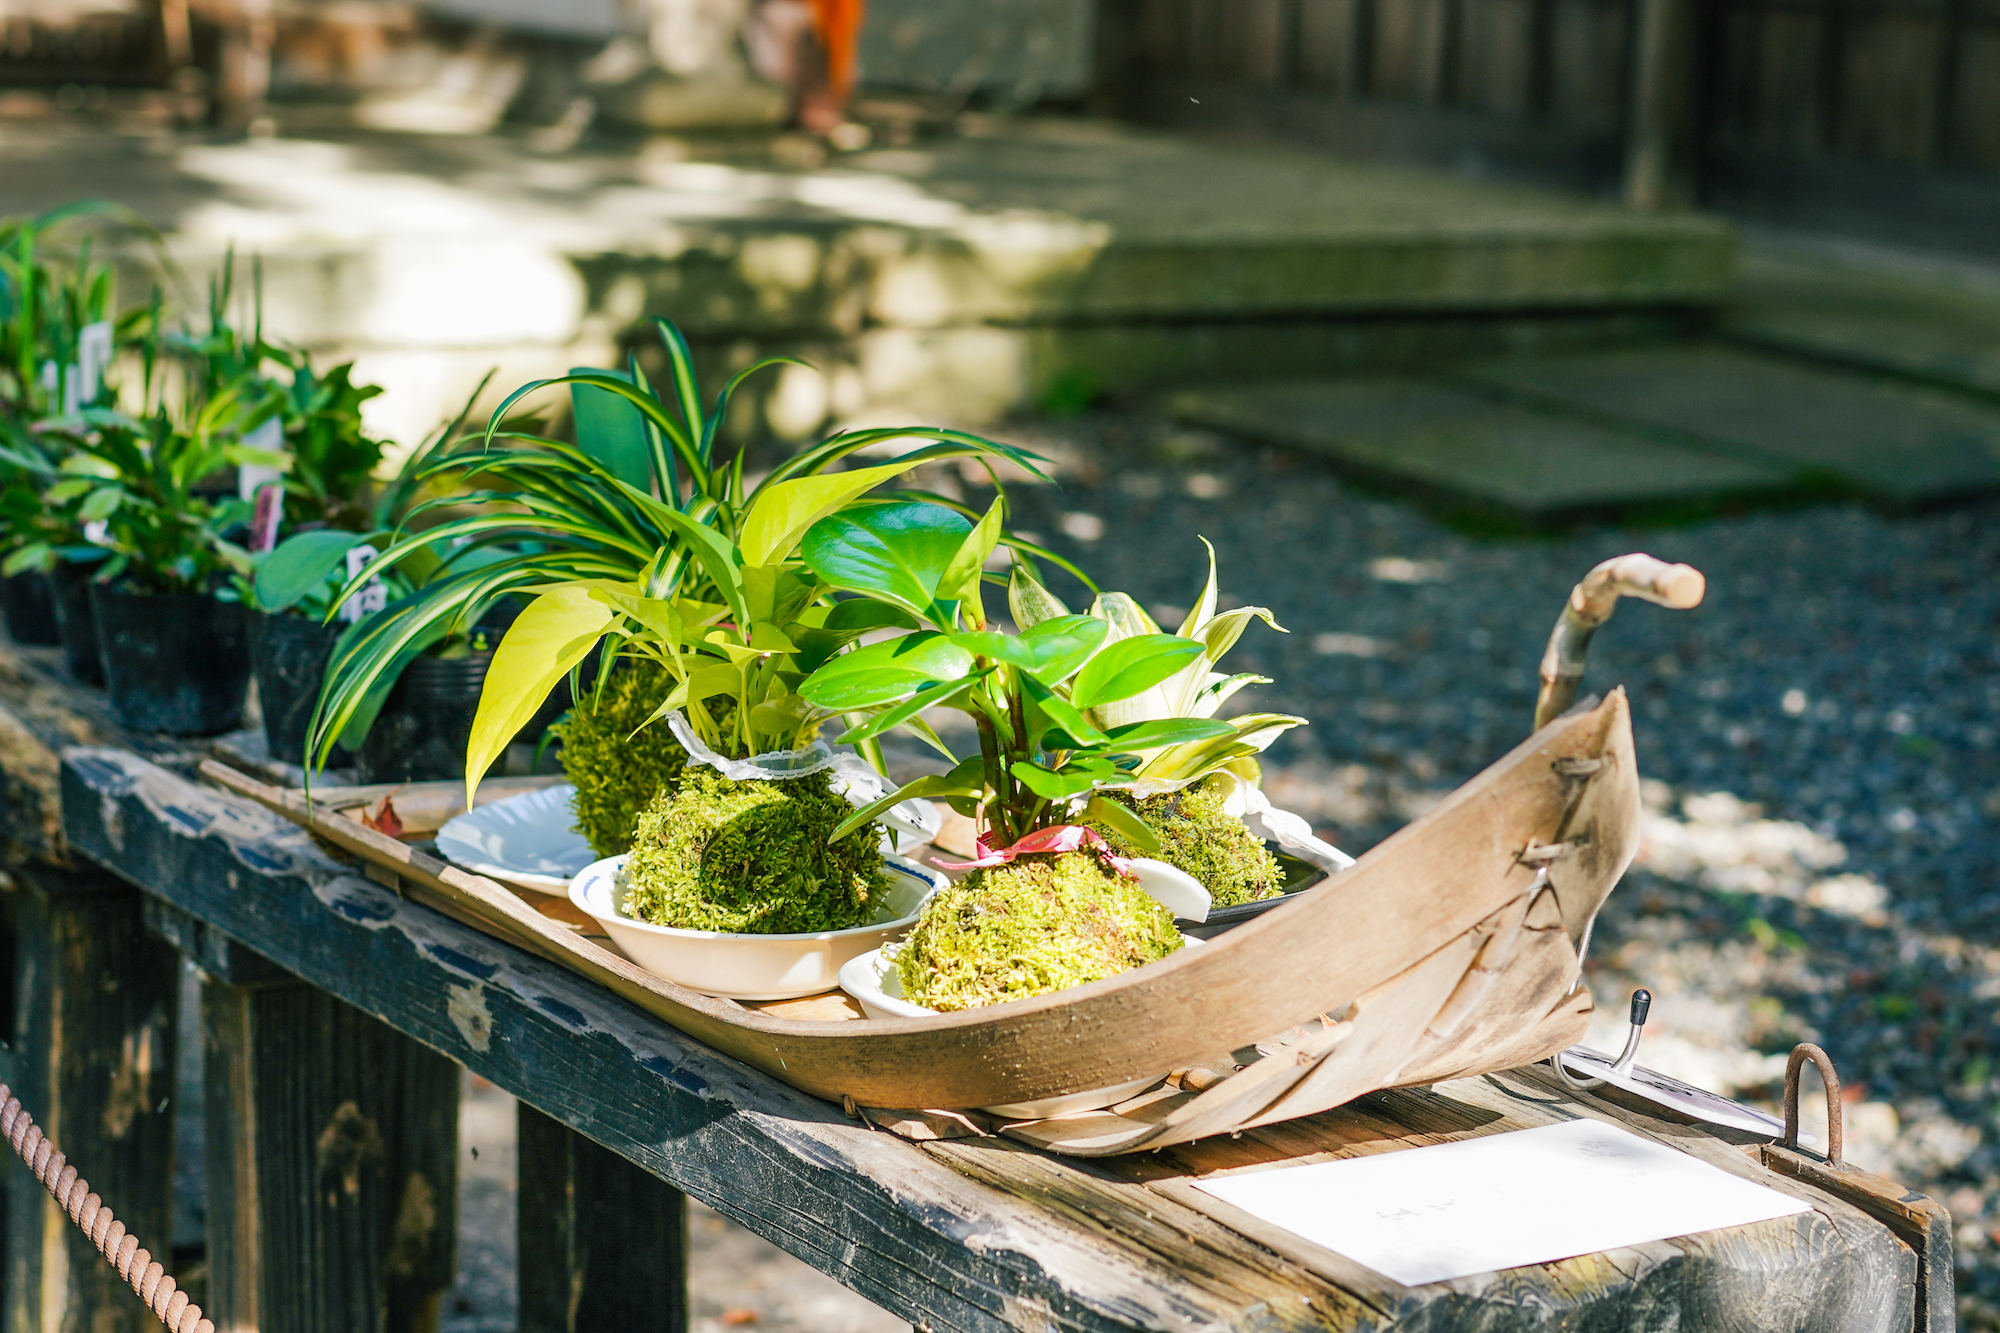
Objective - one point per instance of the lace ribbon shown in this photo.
(916, 822)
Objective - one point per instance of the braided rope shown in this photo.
(135, 1265)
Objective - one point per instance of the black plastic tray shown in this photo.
(1299, 876)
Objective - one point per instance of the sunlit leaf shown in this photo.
(1130, 666)
(556, 632)
(782, 512)
(897, 552)
(1050, 652)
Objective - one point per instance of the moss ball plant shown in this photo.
(617, 773)
(1041, 924)
(751, 858)
(1201, 837)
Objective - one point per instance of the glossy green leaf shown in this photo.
(1056, 786)
(556, 632)
(859, 615)
(1125, 822)
(611, 430)
(931, 696)
(886, 672)
(1050, 652)
(1052, 708)
(299, 565)
(1167, 731)
(897, 552)
(961, 577)
(1131, 666)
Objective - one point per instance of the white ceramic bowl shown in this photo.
(873, 982)
(529, 841)
(750, 967)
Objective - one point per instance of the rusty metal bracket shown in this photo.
(1801, 1053)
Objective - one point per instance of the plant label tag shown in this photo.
(93, 358)
(254, 477)
(371, 596)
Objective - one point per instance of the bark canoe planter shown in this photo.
(76, 621)
(1450, 949)
(174, 662)
(29, 603)
(289, 655)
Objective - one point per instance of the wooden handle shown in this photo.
(1637, 575)
(1591, 603)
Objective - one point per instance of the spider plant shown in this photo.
(1031, 695)
(686, 525)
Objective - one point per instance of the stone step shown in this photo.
(959, 276)
(1450, 440)
(1906, 314)
(1902, 443)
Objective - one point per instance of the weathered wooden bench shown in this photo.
(336, 1011)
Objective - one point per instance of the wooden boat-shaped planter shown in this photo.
(1453, 948)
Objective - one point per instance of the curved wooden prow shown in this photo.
(1591, 603)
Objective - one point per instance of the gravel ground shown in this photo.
(1821, 741)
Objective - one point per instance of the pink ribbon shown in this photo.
(1061, 838)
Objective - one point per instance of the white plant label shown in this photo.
(371, 596)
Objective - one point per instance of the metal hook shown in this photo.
(1801, 1053)
(1642, 1001)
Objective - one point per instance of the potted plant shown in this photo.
(169, 623)
(342, 516)
(1050, 902)
(59, 333)
(673, 519)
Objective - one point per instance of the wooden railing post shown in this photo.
(332, 1153)
(603, 1245)
(91, 1002)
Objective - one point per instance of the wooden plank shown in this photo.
(602, 1245)
(93, 1016)
(332, 1151)
(903, 1230)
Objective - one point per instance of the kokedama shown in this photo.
(1040, 924)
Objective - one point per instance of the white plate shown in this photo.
(875, 985)
(529, 840)
(749, 967)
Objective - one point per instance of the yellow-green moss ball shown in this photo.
(1041, 924)
(1199, 836)
(751, 858)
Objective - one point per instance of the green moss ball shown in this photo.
(1041, 924)
(751, 858)
(1199, 836)
(615, 772)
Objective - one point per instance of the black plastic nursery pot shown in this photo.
(77, 622)
(420, 734)
(289, 653)
(28, 601)
(175, 662)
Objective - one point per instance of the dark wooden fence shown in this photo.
(1878, 116)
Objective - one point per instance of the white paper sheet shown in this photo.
(1526, 1197)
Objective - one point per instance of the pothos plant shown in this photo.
(1046, 701)
(678, 557)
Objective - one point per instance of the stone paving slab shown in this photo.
(1450, 440)
(1903, 314)
(439, 256)
(1902, 443)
